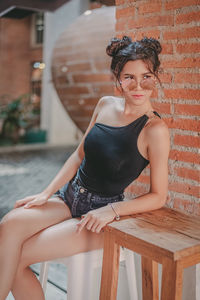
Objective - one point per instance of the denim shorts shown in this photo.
(80, 200)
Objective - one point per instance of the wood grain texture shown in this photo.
(172, 278)
(162, 236)
(150, 287)
(164, 231)
(110, 268)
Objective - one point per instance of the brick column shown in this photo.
(174, 24)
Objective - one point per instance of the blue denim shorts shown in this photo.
(80, 200)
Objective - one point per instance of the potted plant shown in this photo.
(20, 122)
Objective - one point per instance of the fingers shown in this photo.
(91, 223)
(23, 201)
(30, 201)
(82, 223)
(30, 204)
(35, 202)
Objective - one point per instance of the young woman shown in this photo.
(124, 136)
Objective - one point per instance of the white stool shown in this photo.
(80, 270)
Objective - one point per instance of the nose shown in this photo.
(137, 85)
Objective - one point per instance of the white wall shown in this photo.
(54, 118)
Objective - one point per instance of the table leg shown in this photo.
(110, 268)
(172, 279)
(150, 287)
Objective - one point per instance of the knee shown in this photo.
(10, 225)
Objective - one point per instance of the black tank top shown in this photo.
(112, 159)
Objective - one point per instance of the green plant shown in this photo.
(17, 117)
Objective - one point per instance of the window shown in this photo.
(36, 85)
(37, 29)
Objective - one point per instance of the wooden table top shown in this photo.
(165, 231)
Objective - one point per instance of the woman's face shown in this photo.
(137, 82)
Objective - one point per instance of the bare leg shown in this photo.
(19, 225)
(60, 240)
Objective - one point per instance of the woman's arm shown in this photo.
(158, 151)
(158, 142)
(66, 173)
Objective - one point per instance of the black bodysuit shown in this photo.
(112, 159)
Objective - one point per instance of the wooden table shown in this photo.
(163, 236)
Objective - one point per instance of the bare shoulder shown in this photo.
(157, 135)
(157, 128)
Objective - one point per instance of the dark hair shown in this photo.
(124, 50)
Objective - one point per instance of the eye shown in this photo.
(147, 76)
(129, 77)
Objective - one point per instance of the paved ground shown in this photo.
(27, 172)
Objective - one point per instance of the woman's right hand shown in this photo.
(33, 200)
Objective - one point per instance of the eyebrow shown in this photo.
(142, 74)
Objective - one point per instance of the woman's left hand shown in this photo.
(96, 219)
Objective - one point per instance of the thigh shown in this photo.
(23, 223)
(60, 240)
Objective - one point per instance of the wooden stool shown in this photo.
(81, 284)
(163, 236)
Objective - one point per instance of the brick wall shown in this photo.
(175, 24)
(80, 65)
(16, 56)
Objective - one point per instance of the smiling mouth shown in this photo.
(137, 95)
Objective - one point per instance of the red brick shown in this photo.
(60, 80)
(187, 62)
(188, 173)
(180, 4)
(149, 7)
(16, 57)
(149, 33)
(125, 12)
(121, 25)
(188, 48)
(76, 90)
(184, 156)
(193, 94)
(187, 140)
(166, 77)
(184, 188)
(184, 124)
(119, 2)
(102, 65)
(187, 206)
(154, 94)
(79, 67)
(95, 5)
(103, 89)
(182, 33)
(187, 18)
(144, 179)
(187, 78)
(187, 109)
(163, 108)
(151, 21)
(167, 48)
(177, 67)
(136, 189)
(91, 77)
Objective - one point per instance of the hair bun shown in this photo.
(117, 44)
(152, 43)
